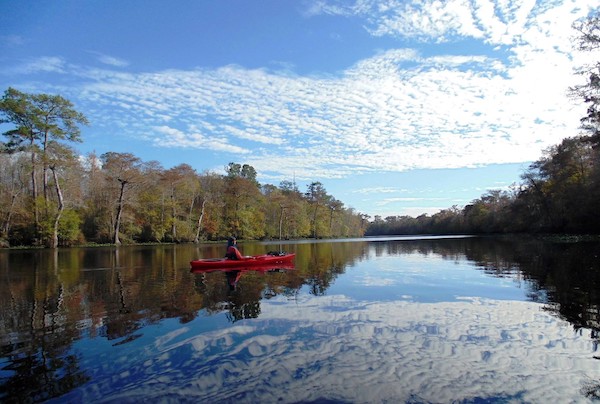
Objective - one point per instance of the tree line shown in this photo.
(558, 193)
(51, 196)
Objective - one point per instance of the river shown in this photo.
(397, 319)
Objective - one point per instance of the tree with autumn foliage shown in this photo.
(118, 198)
(40, 122)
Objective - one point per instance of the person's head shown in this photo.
(231, 241)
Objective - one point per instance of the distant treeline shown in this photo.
(62, 200)
(559, 193)
(50, 196)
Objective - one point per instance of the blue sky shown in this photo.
(397, 107)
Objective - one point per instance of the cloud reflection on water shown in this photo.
(337, 348)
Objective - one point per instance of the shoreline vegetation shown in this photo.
(51, 196)
(554, 238)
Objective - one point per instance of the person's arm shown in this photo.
(234, 253)
(238, 255)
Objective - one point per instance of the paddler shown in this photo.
(232, 250)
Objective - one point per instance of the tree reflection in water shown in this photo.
(565, 276)
(242, 299)
(36, 339)
(51, 299)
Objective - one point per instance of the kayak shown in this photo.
(266, 260)
(258, 268)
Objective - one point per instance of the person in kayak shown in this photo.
(232, 251)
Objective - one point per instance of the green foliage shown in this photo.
(69, 233)
(150, 213)
(157, 205)
(39, 122)
(251, 224)
(559, 193)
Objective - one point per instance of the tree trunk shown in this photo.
(199, 226)
(61, 208)
(8, 219)
(163, 228)
(331, 222)
(281, 221)
(119, 212)
(45, 171)
(45, 188)
(34, 193)
(190, 212)
(173, 223)
(315, 221)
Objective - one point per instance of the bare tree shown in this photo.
(125, 169)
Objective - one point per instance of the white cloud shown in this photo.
(171, 137)
(387, 201)
(398, 110)
(450, 112)
(395, 351)
(412, 211)
(110, 60)
(379, 190)
(47, 64)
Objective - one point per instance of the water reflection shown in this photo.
(241, 302)
(78, 322)
(334, 348)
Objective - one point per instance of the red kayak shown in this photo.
(261, 269)
(256, 261)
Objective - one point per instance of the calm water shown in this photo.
(364, 321)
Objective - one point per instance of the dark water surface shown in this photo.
(435, 320)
